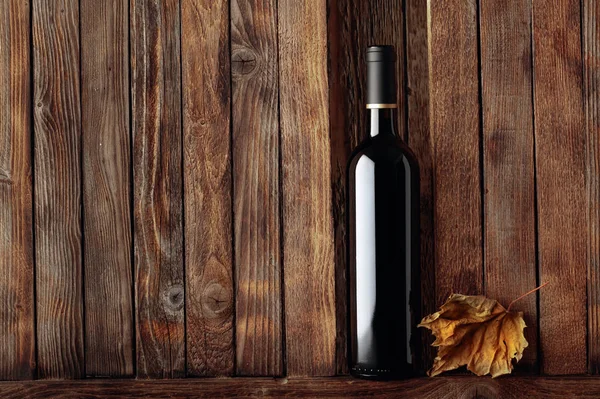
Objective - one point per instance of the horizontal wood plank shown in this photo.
(336, 387)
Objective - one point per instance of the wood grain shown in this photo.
(207, 187)
(158, 188)
(344, 387)
(106, 196)
(561, 187)
(591, 99)
(57, 186)
(420, 140)
(508, 163)
(256, 188)
(455, 128)
(17, 346)
(386, 26)
(308, 253)
(347, 41)
(349, 34)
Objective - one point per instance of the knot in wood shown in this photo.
(173, 298)
(216, 300)
(243, 61)
(5, 178)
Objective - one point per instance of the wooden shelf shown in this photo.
(323, 387)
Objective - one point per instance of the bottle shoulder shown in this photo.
(381, 149)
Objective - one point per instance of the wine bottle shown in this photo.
(383, 213)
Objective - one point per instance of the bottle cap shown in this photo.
(381, 77)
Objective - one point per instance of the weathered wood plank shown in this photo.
(17, 346)
(591, 82)
(561, 186)
(57, 186)
(344, 387)
(158, 188)
(455, 128)
(349, 34)
(308, 237)
(256, 210)
(347, 42)
(106, 196)
(420, 140)
(509, 202)
(386, 26)
(207, 187)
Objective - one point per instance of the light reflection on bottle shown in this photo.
(365, 258)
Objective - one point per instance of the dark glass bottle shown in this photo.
(383, 213)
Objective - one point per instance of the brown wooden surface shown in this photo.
(386, 26)
(106, 196)
(347, 39)
(420, 140)
(157, 188)
(508, 163)
(57, 188)
(308, 258)
(256, 188)
(454, 125)
(561, 185)
(207, 187)
(349, 33)
(200, 196)
(17, 346)
(591, 86)
(333, 387)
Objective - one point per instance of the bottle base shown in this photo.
(379, 374)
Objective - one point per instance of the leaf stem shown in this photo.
(525, 294)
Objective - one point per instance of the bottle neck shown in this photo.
(382, 121)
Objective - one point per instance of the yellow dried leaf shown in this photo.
(477, 332)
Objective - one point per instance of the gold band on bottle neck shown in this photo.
(382, 105)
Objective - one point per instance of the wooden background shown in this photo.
(172, 177)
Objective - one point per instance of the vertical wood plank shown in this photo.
(308, 237)
(207, 186)
(17, 346)
(347, 42)
(106, 197)
(158, 188)
(386, 26)
(455, 128)
(256, 187)
(591, 54)
(420, 140)
(352, 26)
(509, 203)
(57, 142)
(561, 186)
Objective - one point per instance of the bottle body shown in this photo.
(383, 213)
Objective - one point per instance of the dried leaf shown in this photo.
(477, 332)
